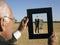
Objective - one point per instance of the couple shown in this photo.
(38, 24)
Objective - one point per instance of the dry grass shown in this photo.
(24, 39)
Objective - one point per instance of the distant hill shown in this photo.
(46, 22)
(53, 22)
(56, 21)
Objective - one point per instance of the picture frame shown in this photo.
(47, 10)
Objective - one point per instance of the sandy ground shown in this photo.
(24, 39)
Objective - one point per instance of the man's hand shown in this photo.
(23, 24)
(53, 40)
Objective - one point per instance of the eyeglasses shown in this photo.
(10, 18)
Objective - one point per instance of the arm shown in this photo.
(22, 26)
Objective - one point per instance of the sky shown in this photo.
(19, 7)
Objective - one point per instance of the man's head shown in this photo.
(36, 17)
(6, 17)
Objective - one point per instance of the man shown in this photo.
(7, 35)
(37, 24)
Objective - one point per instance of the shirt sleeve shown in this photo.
(17, 34)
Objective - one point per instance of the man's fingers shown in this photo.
(53, 40)
(54, 37)
(23, 23)
(25, 20)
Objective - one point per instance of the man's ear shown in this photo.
(2, 24)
